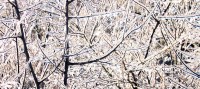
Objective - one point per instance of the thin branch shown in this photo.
(23, 83)
(57, 8)
(180, 57)
(116, 46)
(97, 14)
(43, 52)
(7, 26)
(178, 83)
(52, 71)
(8, 37)
(70, 1)
(157, 24)
(17, 58)
(154, 30)
(92, 33)
(161, 51)
(194, 73)
(30, 7)
(84, 50)
(179, 17)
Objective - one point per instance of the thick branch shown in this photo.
(66, 51)
(15, 5)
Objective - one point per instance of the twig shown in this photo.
(164, 49)
(116, 46)
(194, 73)
(84, 50)
(30, 7)
(179, 17)
(180, 57)
(7, 26)
(92, 33)
(43, 52)
(23, 83)
(178, 83)
(96, 14)
(56, 67)
(57, 8)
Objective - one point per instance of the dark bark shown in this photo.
(22, 36)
